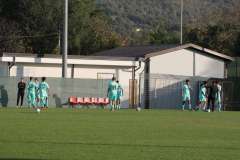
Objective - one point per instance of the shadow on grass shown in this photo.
(128, 145)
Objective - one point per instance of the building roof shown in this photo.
(57, 60)
(132, 53)
(195, 47)
(151, 51)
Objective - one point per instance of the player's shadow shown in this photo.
(4, 96)
(58, 101)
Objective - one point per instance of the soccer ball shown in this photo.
(38, 110)
(138, 109)
(208, 110)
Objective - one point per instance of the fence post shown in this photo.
(147, 84)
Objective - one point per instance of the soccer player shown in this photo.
(212, 96)
(43, 90)
(186, 97)
(218, 96)
(203, 96)
(119, 95)
(112, 93)
(37, 92)
(31, 93)
(21, 91)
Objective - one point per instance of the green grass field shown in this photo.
(127, 135)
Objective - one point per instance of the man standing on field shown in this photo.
(31, 93)
(203, 96)
(37, 93)
(212, 96)
(186, 97)
(119, 95)
(21, 91)
(43, 90)
(112, 93)
(219, 96)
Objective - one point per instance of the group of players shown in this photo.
(37, 93)
(114, 93)
(209, 96)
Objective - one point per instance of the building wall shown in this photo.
(93, 73)
(179, 63)
(169, 71)
(81, 72)
(3, 69)
(175, 63)
(209, 67)
(26, 70)
(182, 63)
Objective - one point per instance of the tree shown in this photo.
(163, 34)
(40, 23)
(38, 20)
(221, 37)
(9, 32)
(90, 31)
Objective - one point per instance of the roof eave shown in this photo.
(190, 45)
(217, 54)
(70, 57)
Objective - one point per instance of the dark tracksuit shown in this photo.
(21, 91)
(212, 92)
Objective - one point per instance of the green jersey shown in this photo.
(186, 90)
(202, 93)
(31, 87)
(113, 87)
(112, 90)
(37, 89)
(120, 90)
(219, 87)
(43, 89)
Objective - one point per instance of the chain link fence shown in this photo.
(165, 91)
(231, 94)
(234, 68)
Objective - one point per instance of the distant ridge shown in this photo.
(126, 15)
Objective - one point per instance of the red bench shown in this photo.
(86, 101)
(73, 101)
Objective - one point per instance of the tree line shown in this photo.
(35, 26)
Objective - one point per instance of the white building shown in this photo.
(125, 63)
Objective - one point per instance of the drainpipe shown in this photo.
(133, 88)
(11, 64)
(72, 71)
(147, 84)
(134, 70)
(139, 88)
